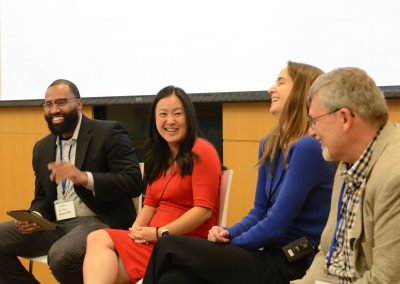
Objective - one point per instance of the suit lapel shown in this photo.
(279, 172)
(380, 146)
(278, 175)
(84, 138)
(50, 144)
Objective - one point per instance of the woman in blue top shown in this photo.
(292, 201)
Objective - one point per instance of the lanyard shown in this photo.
(334, 239)
(63, 182)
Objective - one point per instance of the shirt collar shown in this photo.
(357, 172)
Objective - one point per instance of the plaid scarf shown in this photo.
(355, 181)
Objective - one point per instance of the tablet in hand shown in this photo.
(29, 215)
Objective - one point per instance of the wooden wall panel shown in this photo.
(394, 110)
(246, 121)
(244, 124)
(244, 177)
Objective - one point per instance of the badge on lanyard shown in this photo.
(64, 210)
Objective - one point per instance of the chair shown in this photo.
(43, 258)
(138, 201)
(40, 259)
(226, 182)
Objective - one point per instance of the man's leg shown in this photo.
(13, 244)
(67, 254)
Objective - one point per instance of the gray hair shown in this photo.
(352, 88)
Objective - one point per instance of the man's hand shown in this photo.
(26, 228)
(65, 170)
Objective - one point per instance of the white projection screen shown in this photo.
(134, 48)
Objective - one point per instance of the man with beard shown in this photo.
(86, 174)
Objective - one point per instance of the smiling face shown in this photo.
(325, 129)
(280, 92)
(62, 120)
(171, 121)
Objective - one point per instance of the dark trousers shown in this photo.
(65, 248)
(180, 259)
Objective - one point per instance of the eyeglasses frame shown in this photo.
(311, 121)
(48, 105)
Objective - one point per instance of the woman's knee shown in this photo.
(98, 238)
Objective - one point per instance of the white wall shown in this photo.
(128, 47)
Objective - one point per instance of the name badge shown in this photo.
(64, 210)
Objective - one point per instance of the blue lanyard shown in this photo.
(63, 182)
(334, 240)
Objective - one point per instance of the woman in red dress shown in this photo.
(183, 173)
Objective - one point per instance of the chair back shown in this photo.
(138, 201)
(226, 182)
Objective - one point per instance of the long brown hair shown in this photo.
(292, 124)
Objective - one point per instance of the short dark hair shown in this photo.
(72, 86)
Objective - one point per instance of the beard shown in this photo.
(70, 121)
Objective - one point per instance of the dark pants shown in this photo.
(179, 259)
(65, 248)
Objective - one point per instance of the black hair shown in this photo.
(156, 150)
(72, 86)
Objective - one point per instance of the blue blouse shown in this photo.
(292, 203)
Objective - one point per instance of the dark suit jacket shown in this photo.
(105, 150)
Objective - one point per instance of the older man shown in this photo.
(361, 241)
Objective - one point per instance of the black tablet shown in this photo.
(29, 215)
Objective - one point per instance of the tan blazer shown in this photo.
(377, 224)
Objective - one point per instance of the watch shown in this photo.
(164, 232)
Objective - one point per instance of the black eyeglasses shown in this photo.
(311, 121)
(59, 103)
